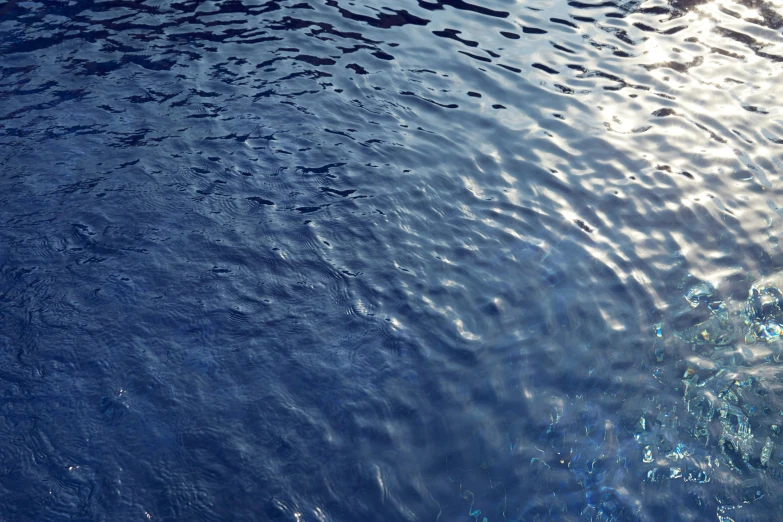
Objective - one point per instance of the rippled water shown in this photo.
(424, 260)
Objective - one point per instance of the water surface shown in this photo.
(425, 260)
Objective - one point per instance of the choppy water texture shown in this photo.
(424, 260)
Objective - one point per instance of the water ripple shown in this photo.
(329, 260)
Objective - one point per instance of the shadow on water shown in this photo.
(433, 260)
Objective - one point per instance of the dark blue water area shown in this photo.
(445, 260)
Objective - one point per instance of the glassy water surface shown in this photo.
(442, 260)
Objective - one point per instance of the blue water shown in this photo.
(442, 261)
